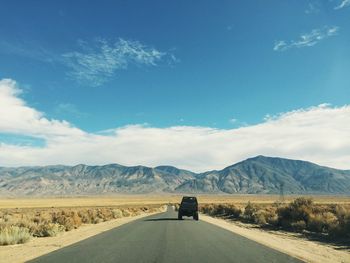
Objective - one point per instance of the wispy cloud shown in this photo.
(342, 4)
(31, 50)
(312, 8)
(63, 109)
(307, 39)
(95, 64)
(233, 120)
(319, 134)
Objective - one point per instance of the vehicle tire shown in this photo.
(179, 216)
(196, 216)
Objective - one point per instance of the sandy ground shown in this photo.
(306, 250)
(117, 200)
(40, 246)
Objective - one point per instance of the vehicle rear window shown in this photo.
(189, 200)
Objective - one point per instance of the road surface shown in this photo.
(163, 238)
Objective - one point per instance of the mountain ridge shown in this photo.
(256, 175)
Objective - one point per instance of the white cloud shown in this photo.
(96, 64)
(18, 118)
(307, 39)
(319, 134)
(342, 4)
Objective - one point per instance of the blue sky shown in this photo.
(103, 65)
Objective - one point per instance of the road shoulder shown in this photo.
(302, 249)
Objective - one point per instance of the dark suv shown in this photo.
(188, 207)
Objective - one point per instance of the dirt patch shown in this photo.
(288, 243)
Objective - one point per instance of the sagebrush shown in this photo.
(302, 214)
(19, 225)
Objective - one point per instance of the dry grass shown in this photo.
(103, 201)
(17, 225)
(10, 235)
(85, 201)
(302, 214)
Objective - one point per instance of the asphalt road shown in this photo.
(163, 238)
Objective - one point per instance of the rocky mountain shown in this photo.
(267, 175)
(255, 175)
(83, 179)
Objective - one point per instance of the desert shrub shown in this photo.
(144, 209)
(260, 215)
(298, 226)
(214, 210)
(33, 228)
(232, 211)
(229, 210)
(65, 221)
(265, 216)
(206, 209)
(52, 229)
(321, 209)
(105, 214)
(76, 219)
(271, 216)
(277, 203)
(48, 230)
(6, 217)
(298, 210)
(68, 219)
(299, 215)
(92, 214)
(136, 213)
(126, 213)
(250, 212)
(24, 222)
(85, 218)
(302, 214)
(98, 220)
(322, 222)
(301, 208)
(11, 235)
(219, 209)
(16, 224)
(117, 213)
(342, 229)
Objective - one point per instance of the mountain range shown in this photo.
(258, 175)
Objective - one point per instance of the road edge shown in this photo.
(304, 250)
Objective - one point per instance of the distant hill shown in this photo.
(82, 179)
(255, 175)
(266, 175)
